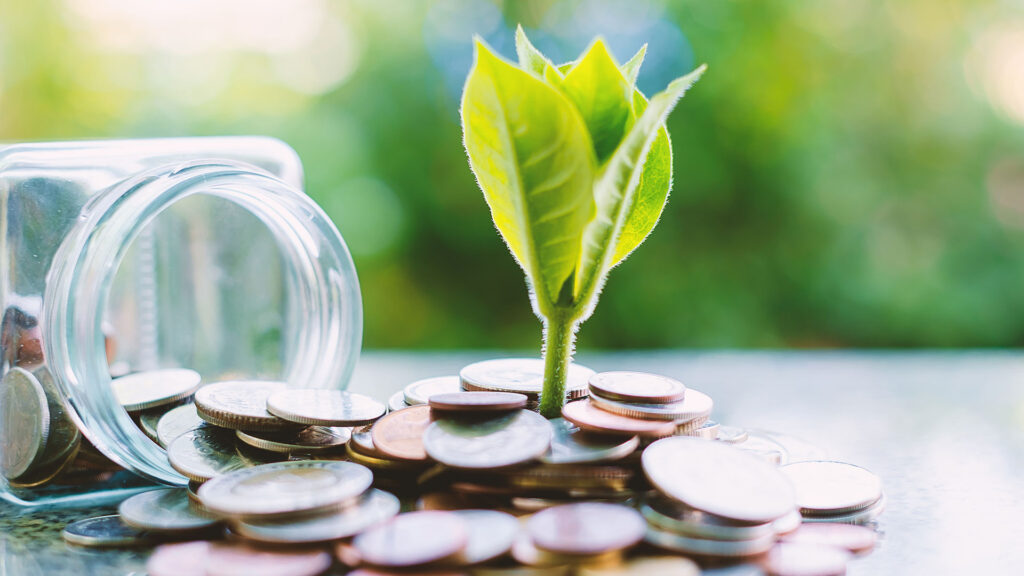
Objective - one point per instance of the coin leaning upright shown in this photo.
(493, 443)
(24, 422)
(324, 407)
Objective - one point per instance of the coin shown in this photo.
(525, 552)
(788, 523)
(571, 445)
(374, 507)
(476, 402)
(696, 405)
(176, 422)
(731, 434)
(164, 510)
(240, 405)
(285, 488)
(665, 514)
(846, 536)
(104, 532)
(234, 559)
(310, 439)
(413, 538)
(829, 487)
(492, 443)
(325, 407)
(764, 447)
(584, 414)
(586, 528)
(862, 516)
(154, 388)
(792, 559)
(637, 387)
(63, 437)
(203, 453)
(399, 434)
(491, 535)
(719, 479)
(24, 422)
(707, 431)
(522, 375)
(647, 566)
(707, 547)
(397, 401)
(148, 422)
(420, 391)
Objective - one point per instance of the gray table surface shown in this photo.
(944, 430)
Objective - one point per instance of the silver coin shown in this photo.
(719, 479)
(154, 388)
(397, 401)
(308, 440)
(24, 422)
(148, 422)
(829, 487)
(324, 407)
(731, 434)
(165, 510)
(63, 437)
(492, 443)
(374, 507)
(413, 538)
(105, 532)
(523, 375)
(707, 431)
(204, 453)
(637, 387)
(176, 422)
(586, 528)
(707, 547)
(788, 523)
(240, 405)
(570, 445)
(680, 519)
(863, 516)
(285, 488)
(491, 534)
(420, 391)
(696, 405)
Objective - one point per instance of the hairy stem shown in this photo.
(559, 336)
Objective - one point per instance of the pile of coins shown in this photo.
(634, 477)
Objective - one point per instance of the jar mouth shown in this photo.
(322, 291)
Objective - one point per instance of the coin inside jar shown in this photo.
(324, 407)
(476, 402)
(154, 388)
(240, 405)
(586, 528)
(719, 479)
(166, 510)
(24, 422)
(420, 391)
(491, 443)
(203, 453)
(412, 539)
(285, 488)
(584, 414)
(399, 434)
(829, 487)
(637, 387)
(307, 440)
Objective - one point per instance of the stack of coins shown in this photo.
(634, 459)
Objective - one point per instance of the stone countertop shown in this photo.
(944, 430)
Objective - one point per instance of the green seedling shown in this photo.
(576, 166)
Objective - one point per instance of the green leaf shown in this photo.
(533, 159)
(615, 192)
(632, 68)
(603, 97)
(531, 59)
(651, 193)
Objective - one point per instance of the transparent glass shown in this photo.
(125, 256)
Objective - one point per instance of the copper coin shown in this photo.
(586, 528)
(791, 559)
(470, 402)
(413, 538)
(399, 434)
(847, 536)
(637, 387)
(589, 417)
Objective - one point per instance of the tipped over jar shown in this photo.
(122, 257)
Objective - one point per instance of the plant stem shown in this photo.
(559, 335)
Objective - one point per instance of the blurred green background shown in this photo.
(848, 173)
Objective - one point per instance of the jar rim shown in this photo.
(323, 287)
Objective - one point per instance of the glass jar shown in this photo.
(125, 256)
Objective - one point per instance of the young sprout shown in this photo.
(576, 166)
